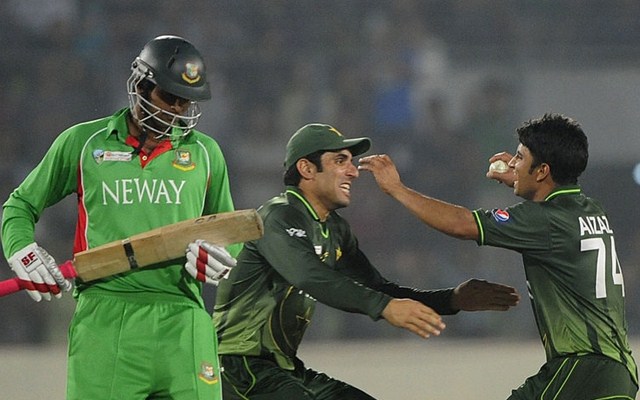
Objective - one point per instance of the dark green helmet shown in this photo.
(176, 66)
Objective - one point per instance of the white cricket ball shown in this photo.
(499, 166)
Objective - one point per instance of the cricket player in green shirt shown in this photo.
(308, 254)
(144, 334)
(568, 250)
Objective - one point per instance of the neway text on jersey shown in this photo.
(594, 225)
(136, 191)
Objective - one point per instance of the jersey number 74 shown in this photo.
(598, 244)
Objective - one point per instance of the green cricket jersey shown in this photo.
(573, 274)
(268, 301)
(121, 194)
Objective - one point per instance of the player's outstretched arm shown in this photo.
(414, 317)
(481, 295)
(454, 220)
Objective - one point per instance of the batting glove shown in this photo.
(208, 262)
(39, 272)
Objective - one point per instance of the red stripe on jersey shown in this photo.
(80, 241)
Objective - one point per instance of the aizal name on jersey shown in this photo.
(136, 191)
(594, 225)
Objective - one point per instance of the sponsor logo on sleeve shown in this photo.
(100, 156)
(296, 232)
(500, 215)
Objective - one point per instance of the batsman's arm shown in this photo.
(161, 244)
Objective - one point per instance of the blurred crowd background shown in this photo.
(439, 85)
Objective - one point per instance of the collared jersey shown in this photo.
(573, 275)
(265, 306)
(121, 194)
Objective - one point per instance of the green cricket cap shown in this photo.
(315, 137)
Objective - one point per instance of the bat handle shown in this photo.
(68, 270)
(13, 285)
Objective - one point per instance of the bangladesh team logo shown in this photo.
(191, 73)
(183, 161)
(207, 374)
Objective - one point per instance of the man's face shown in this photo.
(163, 110)
(526, 183)
(332, 186)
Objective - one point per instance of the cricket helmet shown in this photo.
(176, 67)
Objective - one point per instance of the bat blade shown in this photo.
(166, 243)
(158, 245)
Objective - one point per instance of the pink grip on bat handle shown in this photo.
(68, 271)
(13, 285)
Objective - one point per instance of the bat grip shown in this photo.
(68, 271)
(13, 285)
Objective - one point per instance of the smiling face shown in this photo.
(329, 189)
(528, 182)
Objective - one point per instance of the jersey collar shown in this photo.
(117, 125)
(294, 192)
(563, 190)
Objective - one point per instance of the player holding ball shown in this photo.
(568, 249)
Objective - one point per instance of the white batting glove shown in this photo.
(40, 272)
(208, 262)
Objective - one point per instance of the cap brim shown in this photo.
(358, 146)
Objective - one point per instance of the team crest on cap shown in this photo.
(207, 374)
(500, 215)
(191, 74)
(183, 160)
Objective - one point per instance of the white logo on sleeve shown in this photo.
(296, 232)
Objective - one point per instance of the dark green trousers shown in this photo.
(589, 377)
(255, 378)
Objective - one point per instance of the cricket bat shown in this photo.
(157, 245)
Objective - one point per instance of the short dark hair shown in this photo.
(292, 177)
(558, 141)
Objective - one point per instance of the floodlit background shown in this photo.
(440, 85)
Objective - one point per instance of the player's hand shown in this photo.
(208, 262)
(480, 295)
(39, 272)
(509, 177)
(384, 171)
(413, 316)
